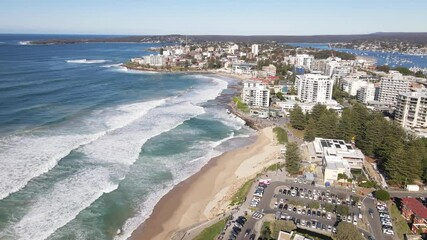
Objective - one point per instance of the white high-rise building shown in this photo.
(255, 49)
(366, 93)
(351, 85)
(391, 86)
(314, 88)
(155, 60)
(256, 93)
(304, 60)
(411, 110)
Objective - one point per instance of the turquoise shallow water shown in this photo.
(87, 148)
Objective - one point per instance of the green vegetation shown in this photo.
(382, 195)
(329, 207)
(280, 96)
(297, 118)
(324, 54)
(403, 70)
(293, 158)
(402, 158)
(281, 135)
(240, 196)
(240, 105)
(368, 184)
(400, 225)
(281, 225)
(343, 210)
(265, 231)
(275, 167)
(347, 231)
(313, 205)
(212, 232)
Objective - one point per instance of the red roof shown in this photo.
(415, 206)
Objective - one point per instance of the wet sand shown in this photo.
(207, 193)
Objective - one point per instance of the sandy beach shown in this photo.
(207, 193)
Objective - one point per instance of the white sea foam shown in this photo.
(22, 158)
(59, 206)
(110, 158)
(24, 42)
(118, 65)
(180, 174)
(86, 61)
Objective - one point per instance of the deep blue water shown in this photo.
(88, 148)
(391, 59)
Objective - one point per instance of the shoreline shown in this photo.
(207, 193)
(206, 72)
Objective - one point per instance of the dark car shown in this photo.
(318, 225)
(252, 237)
(318, 213)
(308, 212)
(295, 209)
(285, 207)
(243, 218)
(247, 232)
(298, 221)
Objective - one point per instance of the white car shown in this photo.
(299, 211)
(329, 228)
(355, 221)
(281, 201)
(388, 231)
(349, 218)
(328, 216)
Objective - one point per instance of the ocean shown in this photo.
(87, 148)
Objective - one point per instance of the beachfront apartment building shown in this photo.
(366, 93)
(256, 94)
(411, 110)
(314, 88)
(336, 157)
(391, 86)
(155, 60)
(255, 49)
(351, 85)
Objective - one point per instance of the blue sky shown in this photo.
(228, 17)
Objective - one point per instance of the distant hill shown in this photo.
(412, 37)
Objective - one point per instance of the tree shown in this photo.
(317, 111)
(347, 231)
(384, 68)
(293, 158)
(343, 210)
(382, 195)
(310, 130)
(297, 118)
(345, 128)
(280, 96)
(327, 125)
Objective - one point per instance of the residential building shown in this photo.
(314, 88)
(155, 60)
(411, 110)
(415, 214)
(256, 93)
(366, 93)
(243, 68)
(304, 60)
(255, 49)
(270, 70)
(391, 86)
(233, 48)
(351, 85)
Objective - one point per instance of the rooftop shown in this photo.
(415, 206)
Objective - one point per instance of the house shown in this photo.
(415, 214)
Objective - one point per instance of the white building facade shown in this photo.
(366, 93)
(411, 110)
(314, 88)
(255, 49)
(391, 86)
(256, 94)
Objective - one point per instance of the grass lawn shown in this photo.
(240, 195)
(211, 232)
(295, 132)
(400, 225)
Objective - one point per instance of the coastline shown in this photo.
(207, 193)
